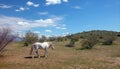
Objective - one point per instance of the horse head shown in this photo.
(51, 46)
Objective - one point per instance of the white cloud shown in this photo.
(65, 34)
(48, 30)
(5, 6)
(36, 5)
(49, 2)
(29, 3)
(62, 28)
(53, 2)
(22, 9)
(38, 32)
(77, 7)
(65, 0)
(21, 24)
(45, 22)
(42, 13)
(14, 22)
(48, 21)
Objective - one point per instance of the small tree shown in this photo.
(43, 38)
(6, 37)
(30, 37)
(52, 38)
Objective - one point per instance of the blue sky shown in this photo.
(60, 17)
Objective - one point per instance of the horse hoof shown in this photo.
(45, 56)
(38, 56)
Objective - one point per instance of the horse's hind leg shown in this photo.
(45, 54)
(37, 53)
(33, 55)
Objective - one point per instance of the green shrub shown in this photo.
(72, 43)
(89, 42)
(25, 44)
(108, 40)
(86, 44)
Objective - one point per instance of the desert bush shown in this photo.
(75, 38)
(6, 37)
(108, 40)
(72, 43)
(118, 34)
(89, 42)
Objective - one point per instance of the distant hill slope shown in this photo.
(98, 33)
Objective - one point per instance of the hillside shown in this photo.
(95, 32)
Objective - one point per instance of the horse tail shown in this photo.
(31, 50)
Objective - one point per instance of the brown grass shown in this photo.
(100, 57)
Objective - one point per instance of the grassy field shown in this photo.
(100, 57)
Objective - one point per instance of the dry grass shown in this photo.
(100, 57)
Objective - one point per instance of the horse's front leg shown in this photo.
(45, 54)
(35, 53)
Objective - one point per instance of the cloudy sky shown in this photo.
(60, 17)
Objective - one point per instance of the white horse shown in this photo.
(37, 45)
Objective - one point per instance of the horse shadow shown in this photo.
(30, 57)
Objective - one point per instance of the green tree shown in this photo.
(30, 37)
(52, 38)
(43, 38)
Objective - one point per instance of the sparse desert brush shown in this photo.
(6, 37)
(89, 42)
(108, 39)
